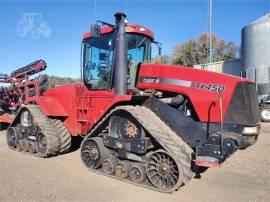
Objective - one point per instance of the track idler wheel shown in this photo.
(32, 147)
(108, 165)
(162, 170)
(137, 173)
(93, 152)
(42, 144)
(122, 169)
(12, 137)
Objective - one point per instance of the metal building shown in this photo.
(232, 67)
(255, 52)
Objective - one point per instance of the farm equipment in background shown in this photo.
(152, 125)
(20, 91)
(265, 109)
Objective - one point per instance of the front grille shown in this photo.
(244, 107)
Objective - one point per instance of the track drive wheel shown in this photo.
(93, 152)
(163, 171)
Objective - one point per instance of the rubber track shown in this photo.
(47, 129)
(63, 135)
(167, 138)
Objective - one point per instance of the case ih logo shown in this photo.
(150, 80)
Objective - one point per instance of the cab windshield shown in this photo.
(99, 54)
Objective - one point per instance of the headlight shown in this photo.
(250, 130)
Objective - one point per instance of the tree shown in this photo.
(196, 51)
(161, 59)
(54, 81)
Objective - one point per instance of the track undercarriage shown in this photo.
(37, 134)
(140, 149)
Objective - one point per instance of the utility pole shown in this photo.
(210, 31)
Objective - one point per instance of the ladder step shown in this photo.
(83, 120)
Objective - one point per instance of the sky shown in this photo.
(52, 29)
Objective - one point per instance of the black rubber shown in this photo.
(63, 135)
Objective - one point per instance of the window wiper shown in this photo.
(141, 42)
(106, 23)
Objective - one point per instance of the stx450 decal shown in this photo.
(202, 86)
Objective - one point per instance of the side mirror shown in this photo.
(95, 30)
(158, 44)
(159, 50)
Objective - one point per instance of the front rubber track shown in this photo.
(167, 138)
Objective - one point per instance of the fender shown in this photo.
(50, 106)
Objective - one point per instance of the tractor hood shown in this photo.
(212, 94)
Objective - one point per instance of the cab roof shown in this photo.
(132, 28)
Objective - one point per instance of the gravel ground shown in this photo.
(244, 177)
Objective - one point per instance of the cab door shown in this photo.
(98, 54)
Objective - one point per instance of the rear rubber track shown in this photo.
(62, 134)
(48, 129)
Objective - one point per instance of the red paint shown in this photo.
(6, 119)
(129, 29)
(201, 99)
(80, 108)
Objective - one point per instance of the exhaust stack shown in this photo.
(120, 62)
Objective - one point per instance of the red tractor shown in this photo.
(153, 125)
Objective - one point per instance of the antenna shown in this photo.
(125, 6)
(95, 9)
(210, 31)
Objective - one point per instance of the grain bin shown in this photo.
(255, 52)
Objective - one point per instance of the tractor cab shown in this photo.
(98, 58)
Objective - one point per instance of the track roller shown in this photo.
(32, 147)
(108, 165)
(162, 170)
(19, 145)
(122, 169)
(93, 152)
(24, 146)
(137, 173)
